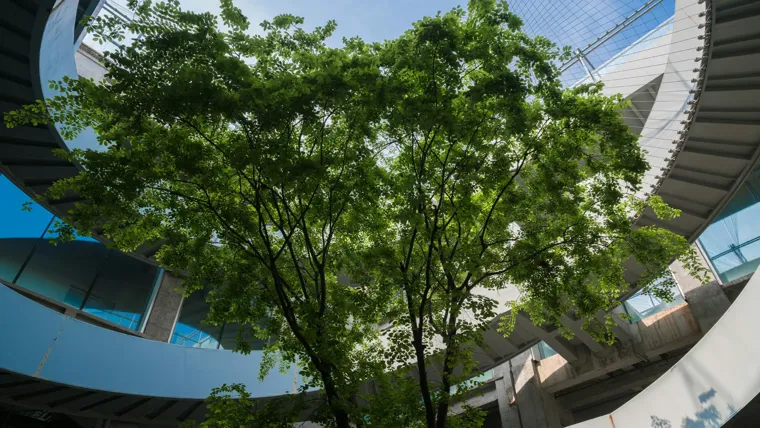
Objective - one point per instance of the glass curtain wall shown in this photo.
(20, 230)
(192, 330)
(640, 306)
(580, 23)
(82, 273)
(732, 242)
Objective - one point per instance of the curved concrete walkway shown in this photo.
(710, 384)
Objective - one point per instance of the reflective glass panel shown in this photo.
(474, 381)
(190, 330)
(229, 338)
(63, 272)
(640, 306)
(545, 351)
(20, 229)
(122, 290)
(732, 242)
(52, 233)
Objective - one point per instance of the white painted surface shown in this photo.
(664, 121)
(716, 379)
(638, 64)
(57, 60)
(89, 66)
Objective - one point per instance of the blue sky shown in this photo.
(574, 23)
(571, 22)
(373, 20)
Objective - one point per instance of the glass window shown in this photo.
(63, 272)
(81, 273)
(732, 242)
(544, 350)
(20, 229)
(474, 381)
(122, 290)
(640, 306)
(229, 338)
(190, 329)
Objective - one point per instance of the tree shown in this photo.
(502, 177)
(323, 191)
(250, 159)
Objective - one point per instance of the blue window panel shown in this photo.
(473, 381)
(16, 222)
(20, 229)
(191, 330)
(128, 320)
(193, 337)
(52, 233)
(640, 306)
(121, 290)
(732, 242)
(545, 351)
(60, 271)
(230, 335)
(586, 20)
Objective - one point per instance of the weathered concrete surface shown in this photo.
(538, 408)
(521, 400)
(686, 282)
(522, 403)
(717, 378)
(165, 309)
(506, 397)
(708, 303)
(664, 332)
(481, 396)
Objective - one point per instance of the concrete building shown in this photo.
(691, 69)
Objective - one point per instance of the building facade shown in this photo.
(690, 71)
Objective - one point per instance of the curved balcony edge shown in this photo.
(48, 345)
(713, 382)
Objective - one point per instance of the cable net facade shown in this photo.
(579, 23)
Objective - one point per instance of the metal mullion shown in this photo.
(33, 250)
(221, 336)
(151, 300)
(94, 279)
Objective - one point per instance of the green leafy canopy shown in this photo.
(321, 192)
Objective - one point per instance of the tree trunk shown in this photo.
(333, 399)
(443, 405)
(419, 350)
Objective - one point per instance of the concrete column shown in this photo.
(165, 309)
(707, 302)
(505, 396)
(527, 404)
(685, 281)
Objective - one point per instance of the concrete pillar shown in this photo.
(165, 309)
(522, 401)
(505, 396)
(685, 281)
(707, 302)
